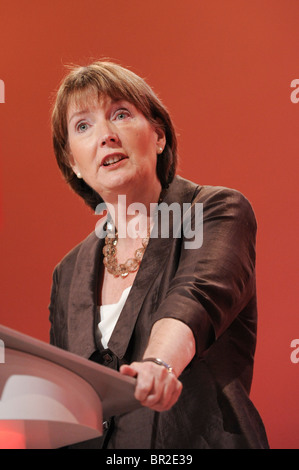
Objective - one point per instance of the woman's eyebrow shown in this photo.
(78, 113)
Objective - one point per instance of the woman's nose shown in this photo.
(108, 137)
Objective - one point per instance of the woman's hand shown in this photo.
(156, 387)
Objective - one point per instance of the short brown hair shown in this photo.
(110, 79)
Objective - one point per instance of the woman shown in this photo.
(180, 320)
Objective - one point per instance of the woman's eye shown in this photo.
(121, 114)
(82, 127)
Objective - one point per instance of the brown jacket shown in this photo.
(212, 289)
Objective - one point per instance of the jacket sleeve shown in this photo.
(215, 282)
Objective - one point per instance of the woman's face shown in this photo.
(113, 146)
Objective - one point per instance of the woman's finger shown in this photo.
(168, 397)
(128, 370)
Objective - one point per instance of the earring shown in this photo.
(79, 175)
(160, 150)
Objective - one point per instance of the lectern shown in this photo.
(50, 398)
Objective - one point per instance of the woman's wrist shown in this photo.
(166, 333)
(159, 362)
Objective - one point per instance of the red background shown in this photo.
(224, 70)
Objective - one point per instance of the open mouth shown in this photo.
(113, 159)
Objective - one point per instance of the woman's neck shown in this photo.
(132, 213)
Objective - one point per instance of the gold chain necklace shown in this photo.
(110, 251)
(110, 255)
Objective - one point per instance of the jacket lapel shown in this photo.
(82, 302)
(153, 262)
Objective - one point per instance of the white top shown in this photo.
(109, 315)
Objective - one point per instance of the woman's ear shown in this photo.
(161, 140)
(74, 165)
